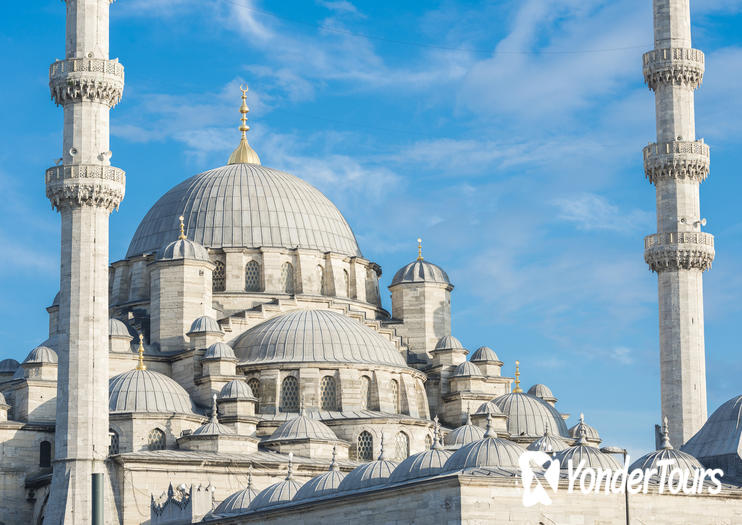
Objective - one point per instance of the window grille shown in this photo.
(218, 277)
(365, 446)
(401, 446)
(156, 439)
(252, 276)
(289, 395)
(328, 393)
(254, 384)
(394, 389)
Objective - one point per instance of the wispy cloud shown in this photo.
(591, 212)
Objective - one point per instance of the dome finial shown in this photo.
(290, 473)
(333, 463)
(214, 418)
(581, 434)
(436, 430)
(490, 433)
(666, 436)
(419, 249)
(182, 235)
(244, 154)
(141, 365)
(382, 455)
(517, 389)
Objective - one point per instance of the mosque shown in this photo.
(241, 368)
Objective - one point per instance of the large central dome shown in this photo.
(246, 206)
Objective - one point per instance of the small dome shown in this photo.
(467, 369)
(281, 492)
(40, 355)
(322, 485)
(183, 249)
(682, 460)
(420, 271)
(592, 456)
(148, 392)
(117, 328)
(484, 353)
(213, 427)
(488, 408)
(486, 452)
(529, 416)
(548, 443)
(428, 463)
(449, 342)
(303, 336)
(8, 365)
(236, 389)
(205, 324)
(302, 427)
(368, 475)
(238, 502)
(464, 434)
(542, 392)
(590, 433)
(219, 351)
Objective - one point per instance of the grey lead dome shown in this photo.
(246, 206)
(420, 271)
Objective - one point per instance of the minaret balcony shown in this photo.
(677, 160)
(679, 251)
(675, 66)
(89, 79)
(85, 185)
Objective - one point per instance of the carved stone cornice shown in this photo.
(91, 79)
(676, 66)
(677, 160)
(85, 185)
(679, 251)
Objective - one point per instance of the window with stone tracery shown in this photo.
(252, 276)
(254, 384)
(394, 391)
(365, 392)
(289, 395)
(218, 277)
(113, 444)
(401, 446)
(328, 393)
(365, 446)
(287, 277)
(156, 440)
(320, 275)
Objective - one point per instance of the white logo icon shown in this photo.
(533, 490)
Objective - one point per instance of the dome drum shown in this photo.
(219, 443)
(204, 332)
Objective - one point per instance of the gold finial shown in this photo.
(141, 365)
(517, 378)
(419, 249)
(244, 154)
(182, 235)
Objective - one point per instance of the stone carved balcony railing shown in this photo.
(95, 79)
(677, 66)
(679, 250)
(85, 185)
(677, 160)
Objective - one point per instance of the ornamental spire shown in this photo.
(419, 249)
(182, 235)
(666, 445)
(141, 365)
(517, 388)
(244, 154)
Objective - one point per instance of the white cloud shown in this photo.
(590, 212)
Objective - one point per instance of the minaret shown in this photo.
(676, 164)
(84, 188)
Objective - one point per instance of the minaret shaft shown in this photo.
(85, 188)
(679, 252)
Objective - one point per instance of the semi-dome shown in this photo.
(464, 434)
(467, 369)
(719, 442)
(147, 391)
(219, 351)
(238, 502)
(681, 460)
(315, 336)
(529, 416)
(41, 355)
(542, 392)
(8, 365)
(303, 427)
(591, 434)
(420, 271)
(246, 206)
(117, 328)
(484, 353)
(236, 389)
(449, 342)
(281, 492)
(322, 485)
(183, 249)
(489, 451)
(205, 324)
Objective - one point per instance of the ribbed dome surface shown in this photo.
(591, 434)
(464, 435)
(466, 369)
(321, 485)
(530, 416)
(246, 206)
(183, 249)
(238, 502)
(219, 351)
(682, 460)
(488, 408)
(592, 456)
(368, 475)
(549, 443)
(315, 336)
(484, 353)
(428, 463)
(302, 427)
(236, 389)
(721, 435)
(8, 365)
(147, 391)
(41, 354)
(281, 492)
(486, 452)
(117, 328)
(542, 392)
(205, 324)
(448, 342)
(420, 271)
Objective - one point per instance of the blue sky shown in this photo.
(507, 134)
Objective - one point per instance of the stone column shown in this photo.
(679, 252)
(84, 188)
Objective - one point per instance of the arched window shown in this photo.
(401, 446)
(320, 276)
(346, 283)
(252, 277)
(289, 395)
(428, 442)
(394, 390)
(45, 454)
(287, 277)
(113, 443)
(218, 277)
(365, 392)
(156, 440)
(365, 446)
(328, 393)
(254, 384)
